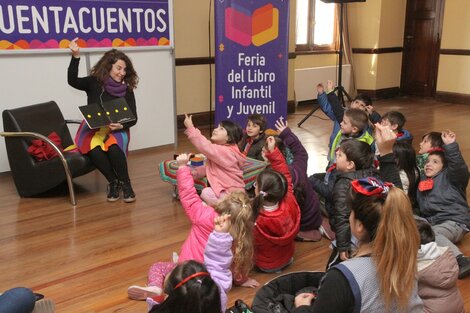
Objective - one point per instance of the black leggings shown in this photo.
(112, 163)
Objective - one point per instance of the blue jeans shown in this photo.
(17, 300)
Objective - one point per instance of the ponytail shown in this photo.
(237, 204)
(395, 249)
(272, 187)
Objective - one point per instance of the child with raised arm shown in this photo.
(312, 224)
(441, 195)
(381, 277)
(197, 292)
(237, 204)
(223, 166)
(353, 126)
(437, 274)
(253, 139)
(277, 213)
(331, 106)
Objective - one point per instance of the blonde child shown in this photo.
(237, 204)
(277, 213)
(253, 140)
(191, 286)
(223, 166)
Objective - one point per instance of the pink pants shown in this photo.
(209, 197)
(157, 273)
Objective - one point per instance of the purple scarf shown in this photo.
(114, 88)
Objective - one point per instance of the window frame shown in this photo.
(310, 46)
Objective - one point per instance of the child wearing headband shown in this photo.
(193, 287)
(201, 216)
(381, 277)
(277, 213)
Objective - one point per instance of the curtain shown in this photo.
(347, 49)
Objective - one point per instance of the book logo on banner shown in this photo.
(258, 28)
(251, 59)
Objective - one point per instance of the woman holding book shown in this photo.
(112, 77)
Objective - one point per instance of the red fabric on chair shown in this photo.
(41, 150)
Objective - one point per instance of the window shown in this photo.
(315, 25)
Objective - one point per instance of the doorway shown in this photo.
(421, 45)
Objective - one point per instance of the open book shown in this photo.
(113, 111)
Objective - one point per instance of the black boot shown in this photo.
(128, 193)
(464, 266)
(114, 190)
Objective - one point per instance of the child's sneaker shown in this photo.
(142, 293)
(309, 235)
(44, 306)
(326, 230)
(464, 266)
(128, 193)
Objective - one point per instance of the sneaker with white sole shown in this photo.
(44, 306)
(326, 230)
(142, 293)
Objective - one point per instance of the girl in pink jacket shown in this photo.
(237, 204)
(223, 166)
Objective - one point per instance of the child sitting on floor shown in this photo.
(396, 121)
(277, 213)
(224, 161)
(253, 140)
(312, 224)
(237, 204)
(429, 142)
(193, 287)
(331, 106)
(441, 195)
(437, 274)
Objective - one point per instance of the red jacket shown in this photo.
(275, 231)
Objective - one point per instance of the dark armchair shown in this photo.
(33, 177)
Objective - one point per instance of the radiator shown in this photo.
(306, 80)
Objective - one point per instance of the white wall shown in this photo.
(34, 78)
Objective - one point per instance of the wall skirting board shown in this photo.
(383, 93)
(453, 97)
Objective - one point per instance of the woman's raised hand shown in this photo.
(75, 48)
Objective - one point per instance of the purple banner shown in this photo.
(251, 59)
(51, 24)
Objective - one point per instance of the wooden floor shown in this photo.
(85, 258)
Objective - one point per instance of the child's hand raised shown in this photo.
(222, 223)
(188, 120)
(448, 136)
(281, 125)
(320, 88)
(385, 138)
(270, 143)
(182, 159)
